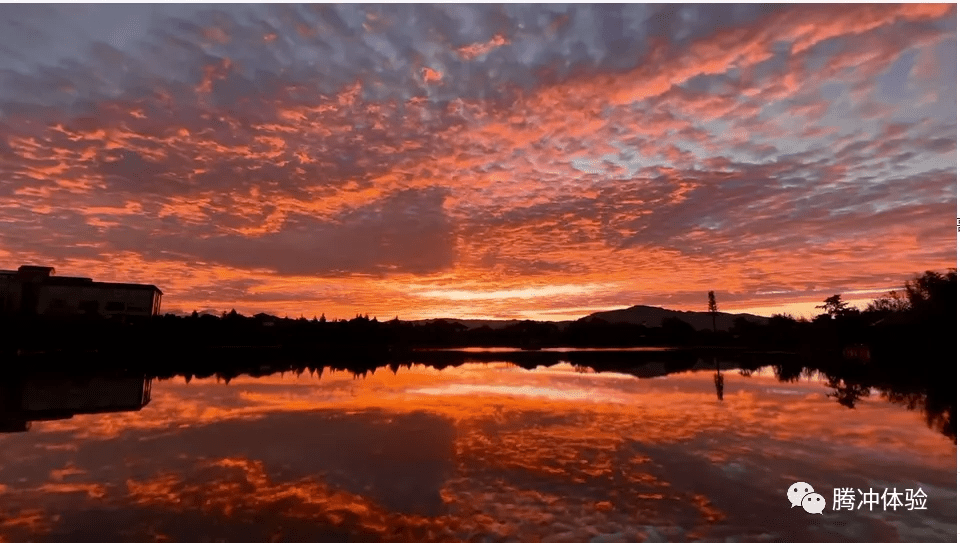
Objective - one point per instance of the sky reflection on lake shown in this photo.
(475, 453)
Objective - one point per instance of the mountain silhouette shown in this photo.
(653, 316)
(471, 323)
(639, 314)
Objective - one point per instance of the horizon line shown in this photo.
(756, 311)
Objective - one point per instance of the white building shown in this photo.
(34, 290)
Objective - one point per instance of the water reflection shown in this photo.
(479, 452)
(718, 382)
(28, 398)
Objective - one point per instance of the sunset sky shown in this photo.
(480, 161)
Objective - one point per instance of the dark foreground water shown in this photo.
(481, 453)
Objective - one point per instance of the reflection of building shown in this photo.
(51, 398)
(34, 290)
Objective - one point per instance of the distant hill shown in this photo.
(638, 314)
(653, 317)
(472, 323)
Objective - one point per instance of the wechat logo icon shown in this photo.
(801, 494)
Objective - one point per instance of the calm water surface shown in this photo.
(475, 453)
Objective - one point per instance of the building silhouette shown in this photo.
(35, 290)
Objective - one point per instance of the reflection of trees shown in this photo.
(788, 373)
(849, 384)
(939, 414)
(718, 377)
(915, 389)
(718, 384)
(928, 387)
(936, 399)
(846, 393)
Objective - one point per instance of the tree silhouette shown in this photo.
(834, 306)
(933, 293)
(712, 308)
(848, 393)
(894, 301)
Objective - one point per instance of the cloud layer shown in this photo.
(352, 158)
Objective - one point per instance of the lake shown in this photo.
(481, 452)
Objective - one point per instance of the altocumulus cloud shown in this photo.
(462, 150)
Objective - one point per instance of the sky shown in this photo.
(481, 161)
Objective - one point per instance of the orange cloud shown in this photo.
(321, 185)
(469, 52)
(431, 76)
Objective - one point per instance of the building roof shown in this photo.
(27, 267)
(87, 282)
(50, 279)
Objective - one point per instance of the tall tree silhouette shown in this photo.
(712, 308)
(834, 306)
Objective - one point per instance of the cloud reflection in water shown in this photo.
(474, 451)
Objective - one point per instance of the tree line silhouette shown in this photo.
(918, 320)
(902, 345)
